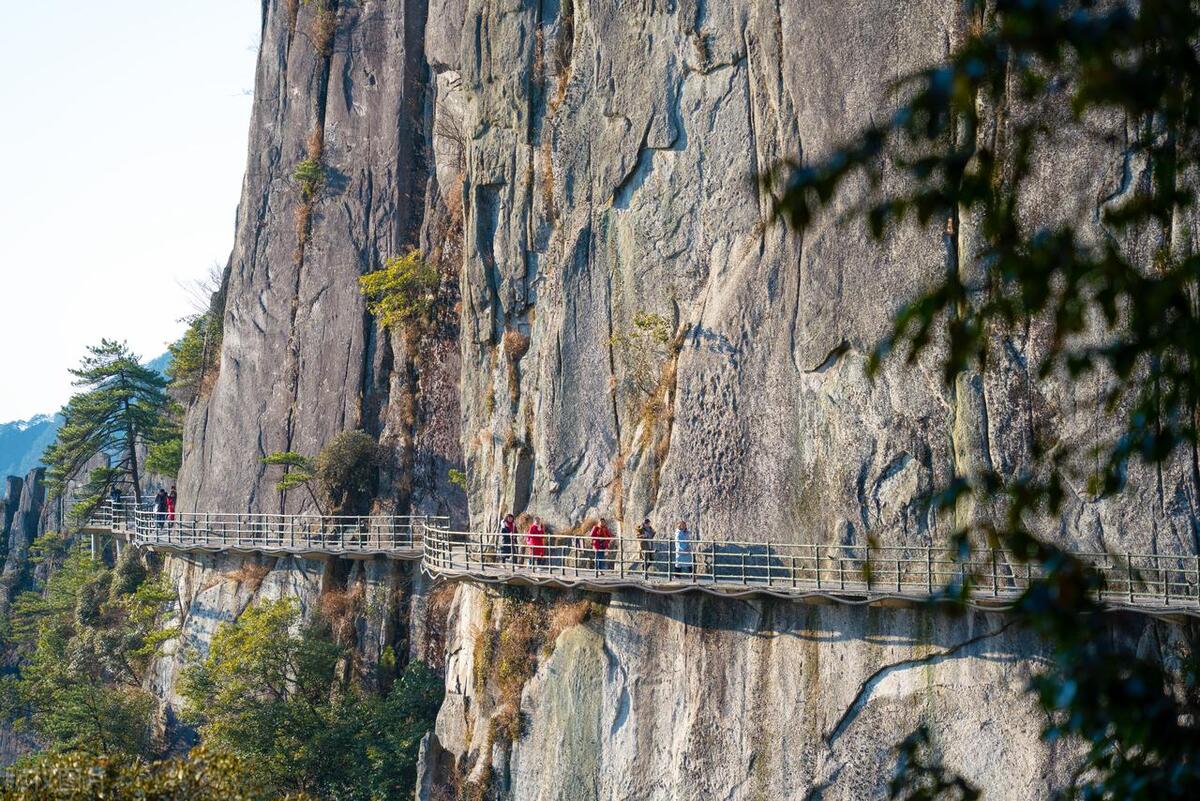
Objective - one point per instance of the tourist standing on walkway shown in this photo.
(535, 541)
(601, 542)
(160, 507)
(684, 547)
(645, 535)
(508, 532)
(172, 497)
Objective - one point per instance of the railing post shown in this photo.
(1162, 574)
(743, 555)
(793, 571)
(1129, 575)
(929, 569)
(842, 571)
(995, 585)
(817, 559)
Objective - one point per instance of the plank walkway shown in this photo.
(1157, 584)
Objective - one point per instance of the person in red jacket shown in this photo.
(601, 542)
(172, 497)
(535, 540)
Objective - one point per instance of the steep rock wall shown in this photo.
(579, 165)
(609, 175)
(686, 698)
(301, 359)
(22, 512)
(372, 600)
(611, 172)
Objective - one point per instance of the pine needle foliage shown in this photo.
(310, 176)
(299, 471)
(270, 691)
(341, 479)
(403, 292)
(194, 356)
(86, 644)
(121, 405)
(202, 775)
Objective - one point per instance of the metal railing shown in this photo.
(850, 573)
(991, 578)
(393, 535)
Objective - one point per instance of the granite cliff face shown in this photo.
(22, 507)
(626, 332)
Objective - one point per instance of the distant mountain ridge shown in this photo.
(22, 442)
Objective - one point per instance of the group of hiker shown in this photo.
(163, 504)
(597, 544)
(164, 507)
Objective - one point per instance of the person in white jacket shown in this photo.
(684, 546)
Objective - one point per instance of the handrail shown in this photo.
(990, 578)
(398, 536)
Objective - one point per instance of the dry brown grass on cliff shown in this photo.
(521, 631)
(339, 608)
(314, 146)
(508, 657)
(515, 344)
(251, 574)
(302, 217)
(437, 614)
(323, 27)
(292, 9)
(566, 614)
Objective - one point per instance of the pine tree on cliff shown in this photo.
(121, 405)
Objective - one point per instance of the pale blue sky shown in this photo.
(123, 137)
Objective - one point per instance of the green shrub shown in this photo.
(271, 691)
(165, 458)
(403, 292)
(310, 175)
(341, 479)
(347, 469)
(200, 776)
(194, 356)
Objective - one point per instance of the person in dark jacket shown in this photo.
(160, 507)
(645, 535)
(508, 537)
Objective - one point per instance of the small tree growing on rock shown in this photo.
(342, 477)
(347, 469)
(403, 292)
(645, 350)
